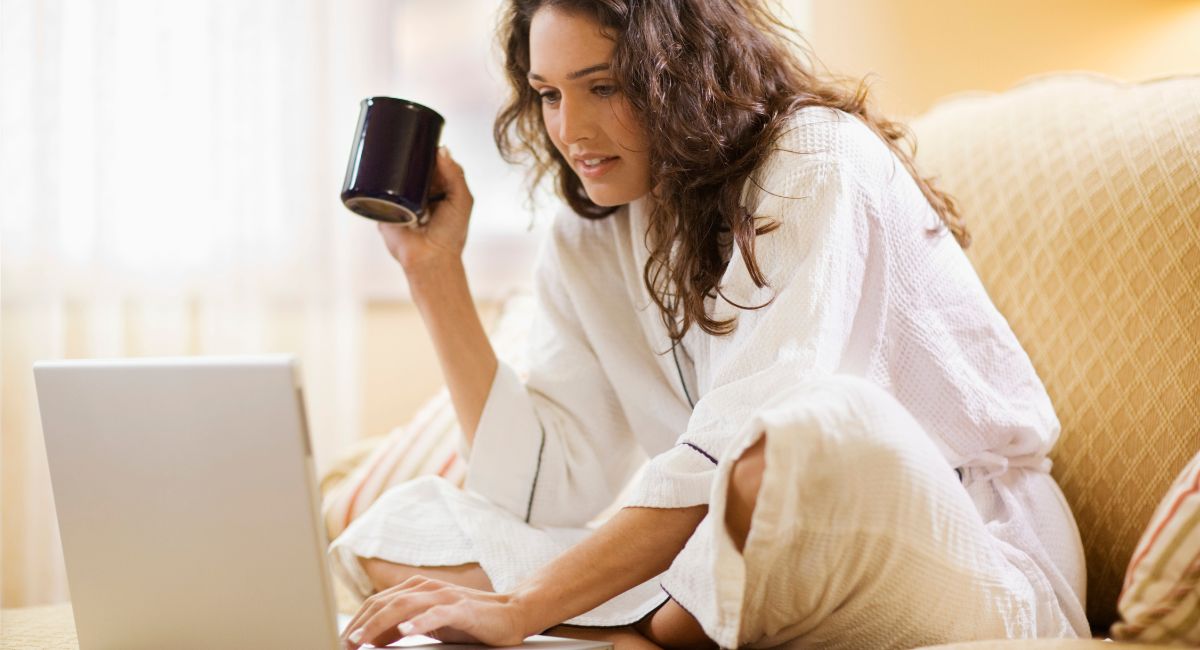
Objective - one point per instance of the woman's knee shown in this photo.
(672, 626)
(841, 448)
(745, 480)
(835, 424)
(621, 638)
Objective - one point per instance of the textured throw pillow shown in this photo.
(425, 446)
(1160, 601)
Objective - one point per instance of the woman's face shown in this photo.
(585, 113)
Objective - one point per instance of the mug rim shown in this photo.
(406, 103)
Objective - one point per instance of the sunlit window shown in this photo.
(445, 56)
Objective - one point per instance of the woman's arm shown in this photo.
(632, 547)
(553, 447)
(442, 296)
(432, 260)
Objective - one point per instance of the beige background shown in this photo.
(923, 49)
(919, 50)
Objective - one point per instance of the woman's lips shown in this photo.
(601, 166)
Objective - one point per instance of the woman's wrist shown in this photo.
(433, 276)
(533, 612)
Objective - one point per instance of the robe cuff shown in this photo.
(507, 453)
(680, 477)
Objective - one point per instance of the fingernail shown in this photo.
(406, 628)
(444, 150)
(356, 636)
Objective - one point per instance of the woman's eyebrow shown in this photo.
(574, 75)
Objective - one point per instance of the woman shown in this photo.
(754, 289)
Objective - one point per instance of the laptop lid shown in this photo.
(187, 502)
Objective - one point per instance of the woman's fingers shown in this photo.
(380, 627)
(364, 612)
(387, 637)
(450, 179)
(482, 619)
(438, 618)
(450, 612)
(373, 604)
(449, 216)
(384, 623)
(445, 234)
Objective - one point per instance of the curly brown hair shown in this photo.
(715, 81)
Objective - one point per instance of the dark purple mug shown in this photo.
(392, 161)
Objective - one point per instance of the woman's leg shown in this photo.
(745, 479)
(845, 526)
(384, 574)
(622, 638)
(672, 626)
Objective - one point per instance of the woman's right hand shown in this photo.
(443, 237)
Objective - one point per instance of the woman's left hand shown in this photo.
(442, 610)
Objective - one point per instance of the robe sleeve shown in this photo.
(556, 448)
(816, 267)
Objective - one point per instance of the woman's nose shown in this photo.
(575, 123)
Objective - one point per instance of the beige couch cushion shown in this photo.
(1083, 196)
(51, 627)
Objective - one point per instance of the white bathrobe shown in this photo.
(876, 368)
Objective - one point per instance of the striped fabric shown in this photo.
(427, 445)
(1160, 601)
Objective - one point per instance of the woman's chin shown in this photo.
(611, 197)
(605, 202)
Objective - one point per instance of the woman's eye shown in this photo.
(604, 90)
(549, 96)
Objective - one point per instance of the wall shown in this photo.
(400, 368)
(923, 49)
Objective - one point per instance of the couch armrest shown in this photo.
(1039, 644)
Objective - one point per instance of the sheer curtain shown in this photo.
(168, 186)
(169, 175)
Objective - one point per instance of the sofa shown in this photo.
(1083, 197)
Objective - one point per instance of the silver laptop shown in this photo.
(188, 506)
